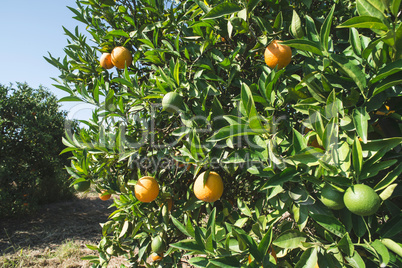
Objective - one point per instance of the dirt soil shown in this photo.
(76, 220)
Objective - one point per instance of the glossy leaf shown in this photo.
(222, 10)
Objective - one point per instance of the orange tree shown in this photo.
(31, 168)
(197, 97)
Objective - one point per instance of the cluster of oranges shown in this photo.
(359, 199)
(207, 187)
(119, 58)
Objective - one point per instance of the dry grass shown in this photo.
(56, 236)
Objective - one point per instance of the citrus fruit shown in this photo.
(213, 188)
(172, 102)
(106, 61)
(104, 196)
(361, 200)
(147, 189)
(332, 198)
(158, 245)
(121, 57)
(82, 186)
(169, 203)
(277, 55)
(156, 256)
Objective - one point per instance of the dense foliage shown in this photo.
(276, 137)
(31, 168)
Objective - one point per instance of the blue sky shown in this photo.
(29, 30)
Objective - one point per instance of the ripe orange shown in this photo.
(361, 200)
(156, 256)
(147, 189)
(332, 198)
(121, 57)
(106, 61)
(172, 102)
(104, 196)
(212, 190)
(277, 54)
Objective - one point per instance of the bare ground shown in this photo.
(35, 240)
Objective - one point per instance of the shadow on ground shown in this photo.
(77, 219)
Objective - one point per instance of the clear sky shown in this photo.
(28, 31)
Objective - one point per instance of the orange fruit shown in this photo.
(332, 198)
(82, 186)
(213, 188)
(361, 200)
(158, 245)
(169, 203)
(172, 102)
(277, 55)
(121, 57)
(104, 196)
(156, 256)
(147, 189)
(106, 61)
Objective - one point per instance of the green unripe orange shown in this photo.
(332, 198)
(361, 200)
(82, 186)
(172, 102)
(158, 245)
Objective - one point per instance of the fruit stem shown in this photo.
(368, 229)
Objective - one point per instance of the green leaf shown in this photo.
(364, 22)
(226, 262)
(366, 8)
(180, 226)
(355, 261)
(290, 239)
(392, 227)
(352, 70)
(188, 245)
(387, 70)
(390, 81)
(389, 178)
(387, 193)
(373, 170)
(330, 138)
(382, 252)
(392, 245)
(308, 259)
(117, 33)
(231, 131)
(357, 156)
(278, 21)
(311, 30)
(346, 245)
(295, 27)
(251, 4)
(395, 7)
(266, 241)
(360, 121)
(330, 223)
(354, 39)
(305, 45)
(325, 29)
(69, 98)
(199, 262)
(222, 10)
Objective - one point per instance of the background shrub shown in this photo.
(31, 167)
